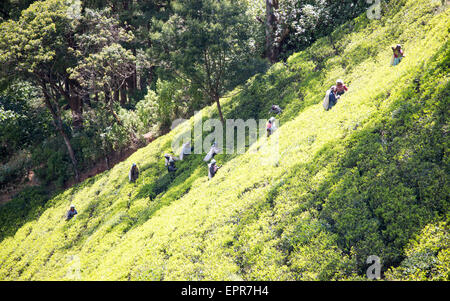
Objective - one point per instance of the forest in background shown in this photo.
(84, 83)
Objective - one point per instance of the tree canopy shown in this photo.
(93, 63)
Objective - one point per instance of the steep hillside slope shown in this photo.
(369, 177)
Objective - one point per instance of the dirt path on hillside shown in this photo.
(107, 163)
(9, 192)
(103, 165)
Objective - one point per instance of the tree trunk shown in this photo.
(76, 106)
(150, 76)
(123, 96)
(107, 161)
(71, 152)
(271, 50)
(131, 83)
(59, 127)
(116, 95)
(217, 100)
(109, 102)
(87, 100)
(125, 5)
(133, 50)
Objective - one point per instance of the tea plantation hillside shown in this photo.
(311, 202)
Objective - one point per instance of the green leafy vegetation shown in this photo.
(94, 67)
(369, 177)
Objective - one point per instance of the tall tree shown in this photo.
(105, 71)
(37, 48)
(10, 9)
(104, 65)
(271, 26)
(292, 25)
(135, 16)
(202, 41)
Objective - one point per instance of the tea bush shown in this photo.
(369, 177)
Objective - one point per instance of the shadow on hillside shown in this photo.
(172, 186)
(283, 83)
(280, 86)
(27, 206)
(162, 189)
(387, 184)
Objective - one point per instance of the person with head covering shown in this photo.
(332, 97)
(134, 173)
(214, 150)
(170, 163)
(271, 127)
(212, 169)
(71, 213)
(185, 150)
(333, 94)
(276, 109)
(340, 88)
(398, 55)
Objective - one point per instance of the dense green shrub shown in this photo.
(427, 256)
(16, 168)
(27, 206)
(54, 164)
(146, 111)
(23, 124)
